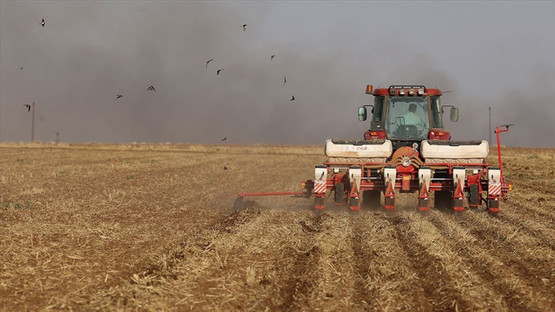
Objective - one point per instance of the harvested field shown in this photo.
(150, 227)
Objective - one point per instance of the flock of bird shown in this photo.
(271, 59)
(152, 88)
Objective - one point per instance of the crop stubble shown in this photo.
(151, 227)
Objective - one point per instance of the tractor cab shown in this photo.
(406, 114)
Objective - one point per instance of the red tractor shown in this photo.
(406, 150)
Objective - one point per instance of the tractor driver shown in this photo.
(411, 118)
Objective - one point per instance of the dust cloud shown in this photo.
(88, 52)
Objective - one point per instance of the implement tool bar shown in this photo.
(242, 195)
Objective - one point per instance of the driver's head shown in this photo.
(412, 107)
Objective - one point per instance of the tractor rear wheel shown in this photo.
(443, 200)
(371, 199)
(339, 192)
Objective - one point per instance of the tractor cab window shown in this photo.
(407, 118)
(378, 108)
(437, 120)
(377, 117)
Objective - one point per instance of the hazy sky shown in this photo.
(490, 54)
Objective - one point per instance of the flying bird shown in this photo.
(292, 98)
(42, 23)
(284, 81)
(119, 96)
(272, 57)
(210, 60)
(219, 70)
(151, 88)
(225, 138)
(225, 168)
(21, 68)
(28, 106)
(244, 27)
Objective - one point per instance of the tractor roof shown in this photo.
(409, 90)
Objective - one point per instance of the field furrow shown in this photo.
(498, 273)
(435, 264)
(388, 279)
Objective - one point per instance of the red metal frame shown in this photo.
(423, 199)
(458, 198)
(497, 131)
(406, 179)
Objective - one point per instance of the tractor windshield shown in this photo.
(407, 118)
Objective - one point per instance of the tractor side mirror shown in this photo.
(454, 114)
(362, 113)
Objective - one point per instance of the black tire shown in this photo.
(473, 195)
(371, 199)
(339, 195)
(443, 200)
